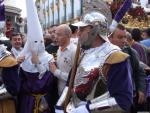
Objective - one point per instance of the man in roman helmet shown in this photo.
(9, 81)
(99, 60)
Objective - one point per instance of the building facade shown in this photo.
(54, 12)
(11, 10)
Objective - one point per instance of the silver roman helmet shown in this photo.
(98, 20)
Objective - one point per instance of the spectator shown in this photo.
(9, 28)
(141, 50)
(136, 35)
(65, 56)
(146, 42)
(119, 38)
(16, 42)
(20, 25)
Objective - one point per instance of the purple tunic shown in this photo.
(119, 84)
(11, 80)
(31, 85)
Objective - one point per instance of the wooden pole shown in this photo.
(72, 77)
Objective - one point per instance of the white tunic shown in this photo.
(16, 52)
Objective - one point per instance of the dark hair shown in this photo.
(73, 28)
(53, 26)
(8, 19)
(136, 34)
(15, 34)
(121, 27)
(20, 19)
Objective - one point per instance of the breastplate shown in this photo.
(89, 69)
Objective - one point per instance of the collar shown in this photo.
(66, 48)
(101, 47)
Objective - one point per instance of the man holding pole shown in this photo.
(98, 60)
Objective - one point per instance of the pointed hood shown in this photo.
(35, 40)
(33, 26)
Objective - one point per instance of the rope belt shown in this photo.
(37, 102)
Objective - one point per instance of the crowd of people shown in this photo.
(131, 69)
(18, 26)
(76, 68)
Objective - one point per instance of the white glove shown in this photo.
(59, 109)
(80, 109)
(3, 92)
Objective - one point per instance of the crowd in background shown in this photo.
(61, 41)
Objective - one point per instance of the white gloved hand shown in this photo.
(59, 109)
(80, 109)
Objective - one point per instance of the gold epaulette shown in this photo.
(116, 57)
(8, 61)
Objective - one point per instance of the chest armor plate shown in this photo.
(89, 69)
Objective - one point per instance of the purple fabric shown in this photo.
(1, 1)
(11, 79)
(2, 11)
(120, 84)
(123, 9)
(141, 52)
(148, 86)
(30, 84)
